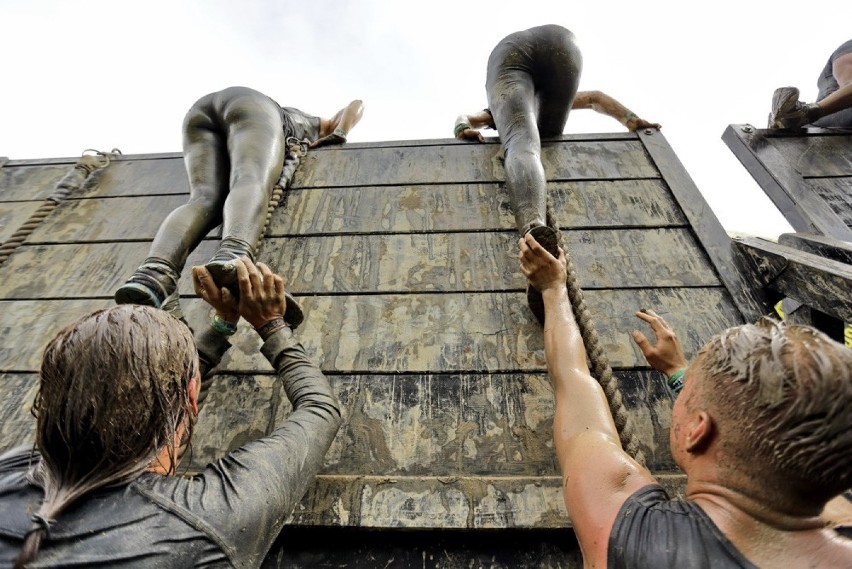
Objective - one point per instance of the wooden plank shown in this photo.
(716, 242)
(17, 425)
(817, 282)
(83, 271)
(109, 219)
(837, 194)
(816, 154)
(30, 183)
(821, 245)
(442, 502)
(13, 215)
(428, 424)
(128, 177)
(482, 261)
(418, 333)
(464, 207)
(467, 164)
(782, 182)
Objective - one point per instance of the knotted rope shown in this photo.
(71, 182)
(296, 149)
(600, 367)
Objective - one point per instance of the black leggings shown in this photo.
(531, 82)
(233, 148)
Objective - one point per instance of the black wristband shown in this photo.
(271, 327)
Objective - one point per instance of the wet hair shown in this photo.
(784, 394)
(113, 392)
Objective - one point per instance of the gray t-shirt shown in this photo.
(300, 124)
(827, 85)
(226, 516)
(652, 530)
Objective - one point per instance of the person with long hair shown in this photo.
(118, 395)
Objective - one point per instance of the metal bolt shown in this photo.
(747, 128)
(649, 131)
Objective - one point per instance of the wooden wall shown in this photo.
(404, 258)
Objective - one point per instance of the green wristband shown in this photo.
(222, 326)
(460, 128)
(676, 380)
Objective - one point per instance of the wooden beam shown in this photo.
(821, 245)
(750, 300)
(817, 282)
(781, 180)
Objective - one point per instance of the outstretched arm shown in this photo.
(598, 476)
(842, 98)
(336, 129)
(603, 103)
(467, 126)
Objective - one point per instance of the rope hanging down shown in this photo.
(296, 149)
(600, 367)
(71, 182)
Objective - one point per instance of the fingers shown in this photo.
(203, 283)
(641, 341)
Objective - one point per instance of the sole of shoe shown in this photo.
(135, 293)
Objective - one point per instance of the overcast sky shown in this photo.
(80, 75)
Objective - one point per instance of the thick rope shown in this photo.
(296, 149)
(71, 182)
(600, 367)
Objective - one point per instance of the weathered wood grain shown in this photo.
(109, 219)
(420, 333)
(836, 193)
(13, 215)
(467, 207)
(23, 183)
(17, 425)
(136, 177)
(431, 424)
(82, 271)
(821, 245)
(445, 502)
(468, 163)
(604, 258)
(816, 154)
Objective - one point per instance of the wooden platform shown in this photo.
(404, 257)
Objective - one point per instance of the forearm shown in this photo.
(581, 404)
(604, 104)
(837, 101)
(305, 385)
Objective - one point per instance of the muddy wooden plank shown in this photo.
(22, 183)
(17, 424)
(454, 207)
(468, 163)
(821, 245)
(129, 177)
(443, 502)
(430, 424)
(109, 219)
(836, 193)
(83, 271)
(13, 215)
(817, 282)
(816, 154)
(489, 332)
(605, 258)
(781, 178)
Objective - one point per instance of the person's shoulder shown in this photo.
(843, 49)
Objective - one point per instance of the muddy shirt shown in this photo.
(827, 85)
(226, 516)
(651, 530)
(299, 124)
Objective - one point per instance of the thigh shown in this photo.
(255, 138)
(205, 152)
(556, 73)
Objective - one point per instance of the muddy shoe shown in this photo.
(224, 273)
(150, 285)
(547, 238)
(293, 315)
(788, 111)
